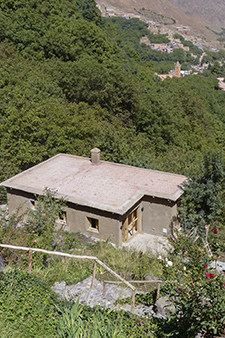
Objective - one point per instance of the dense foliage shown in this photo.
(196, 289)
(69, 81)
(203, 202)
(28, 305)
(29, 308)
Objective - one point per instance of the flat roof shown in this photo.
(107, 186)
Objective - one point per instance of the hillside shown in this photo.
(82, 83)
(213, 12)
(195, 14)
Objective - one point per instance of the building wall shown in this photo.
(157, 215)
(18, 201)
(77, 217)
(109, 224)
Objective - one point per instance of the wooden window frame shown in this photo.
(130, 225)
(93, 224)
(33, 204)
(62, 217)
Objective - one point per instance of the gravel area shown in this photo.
(94, 297)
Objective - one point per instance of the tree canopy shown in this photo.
(70, 80)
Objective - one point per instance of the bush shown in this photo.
(196, 290)
(27, 304)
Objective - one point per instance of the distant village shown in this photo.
(161, 28)
(170, 30)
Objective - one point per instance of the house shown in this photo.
(103, 199)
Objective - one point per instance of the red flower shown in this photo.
(215, 230)
(205, 266)
(210, 275)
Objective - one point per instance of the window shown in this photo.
(33, 204)
(62, 217)
(93, 224)
(130, 225)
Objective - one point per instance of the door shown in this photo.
(130, 225)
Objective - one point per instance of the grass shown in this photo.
(128, 264)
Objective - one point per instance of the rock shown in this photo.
(1, 264)
(164, 307)
(60, 288)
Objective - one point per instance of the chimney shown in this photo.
(95, 156)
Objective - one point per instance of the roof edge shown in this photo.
(120, 210)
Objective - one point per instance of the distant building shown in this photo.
(173, 73)
(131, 16)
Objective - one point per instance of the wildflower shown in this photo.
(136, 319)
(160, 257)
(185, 252)
(22, 255)
(142, 323)
(205, 266)
(35, 241)
(184, 268)
(209, 275)
(169, 263)
(215, 231)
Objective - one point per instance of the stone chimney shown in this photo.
(95, 156)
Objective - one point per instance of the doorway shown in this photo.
(130, 225)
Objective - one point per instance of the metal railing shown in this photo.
(91, 258)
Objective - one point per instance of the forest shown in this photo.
(71, 80)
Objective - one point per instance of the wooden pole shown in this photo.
(104, 285)
(30, 262)
(56, 253)
(133, 301)
(93, 276)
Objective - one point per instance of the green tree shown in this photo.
(203, 199)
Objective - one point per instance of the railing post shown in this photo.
(133, 301)
(158, 290)
(104, 285)
(94, 274)
(30, 262)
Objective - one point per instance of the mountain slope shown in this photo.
(212, 11)
(197, 14)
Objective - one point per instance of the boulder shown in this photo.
(164, 307)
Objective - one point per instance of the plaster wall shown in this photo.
(109, 224)
(18, 201)
(157, 215)
(77, 217)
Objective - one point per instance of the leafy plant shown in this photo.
(196, 290)
(27, 304)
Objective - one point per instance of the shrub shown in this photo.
(27, 304)
(196, 290)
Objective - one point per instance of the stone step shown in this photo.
(94, 297)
